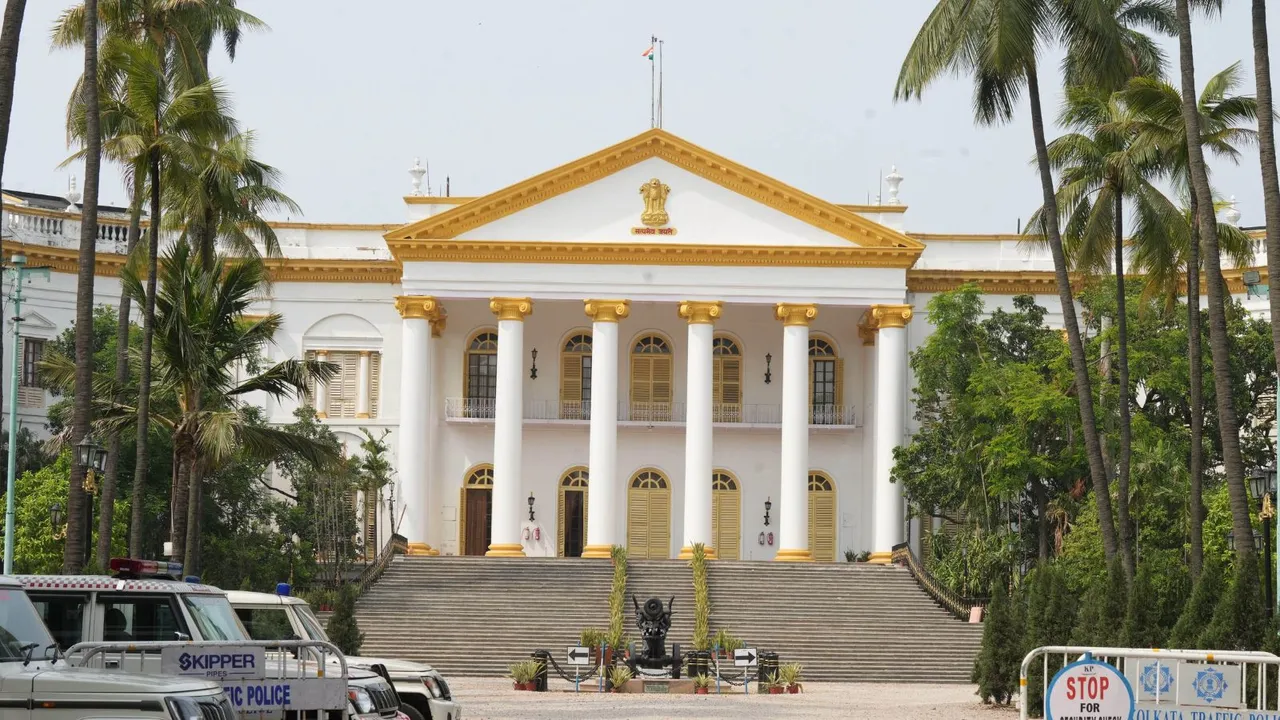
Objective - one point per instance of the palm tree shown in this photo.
(1165, 252)
(78, 500)
(1267, 156)
(1228, 424)
(1105, 162)
(998, 42)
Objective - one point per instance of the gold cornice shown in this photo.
(891, 316)
(998, 282)
(437, 200)
(418, 307)
(961, 237)
(556, 253)
(795, 314)
(874, 209)
(507, 308)
(653, 143)
(607, 310)
(701, 312)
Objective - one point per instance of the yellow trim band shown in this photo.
(598, 552)
(505, 550)
(793, 555)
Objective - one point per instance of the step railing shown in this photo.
(397, 545)
(953, 602)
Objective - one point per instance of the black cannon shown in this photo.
(654, 621)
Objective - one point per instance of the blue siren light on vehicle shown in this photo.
(283, 589)
(146, 568)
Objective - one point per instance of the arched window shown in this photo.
(475, 521)
(826, 383)
(726, 380)
(649, 515)
(822, 516)
(575, 377)
(726, 515)
(572, 521)
(651, 379)
(481, 378)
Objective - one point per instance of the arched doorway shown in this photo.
(649, 515)
(726, 515)
(476, 509)
(572, 522)
(822, 516)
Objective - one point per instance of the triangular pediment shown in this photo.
(35, 321)
(712, 205)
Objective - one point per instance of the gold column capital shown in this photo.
(795, 313)
(704, 312)
(365, 353)
(507, 308)
(892, 316)
(438, 322)
(421, 307)
(867, 327)
(607, 310)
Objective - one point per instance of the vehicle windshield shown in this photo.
(266, 623)
(20, 627)
(311, 623)
(214, 617)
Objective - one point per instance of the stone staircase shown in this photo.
(852, 622)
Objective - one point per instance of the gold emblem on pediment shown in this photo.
(655, 217)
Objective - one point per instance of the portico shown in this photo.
(703, 378)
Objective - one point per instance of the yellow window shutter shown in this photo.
(462, 520)
(570, 385)
(637, 523)
(586, 513)
(641, 379)
(839, 409)
(717, 381)
(731, 388)
(560, 522)
(375, 382)
(822, 525)
(660, 523)
(310, 356)
(662, 379)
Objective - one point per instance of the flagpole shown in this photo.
(653, 118)
(660, 83)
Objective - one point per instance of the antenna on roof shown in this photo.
(446, 186)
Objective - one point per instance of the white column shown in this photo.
(508, 424)
(603, 531)
(435, 402)
(793, 523)
(890, 403)
(415, 393)
(698, 429)
(322, 389)
(364, 385)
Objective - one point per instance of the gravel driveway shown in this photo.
(493, 698)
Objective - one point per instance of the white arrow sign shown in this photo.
(579, 655)
(745, 657)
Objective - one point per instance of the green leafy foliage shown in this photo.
(1239, 620)
(701, 599)
(617, 598)
(1142, 614)
(996, 669)
(1198, 612)
(1102, 610)
(342, 629)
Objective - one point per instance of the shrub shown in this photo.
(1102, 611)
(343, 630)
(996, 669)
(1239, 621)
(617, 635)
(591, 638)
(701, 599)
(1141, 625)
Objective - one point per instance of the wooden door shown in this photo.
(649, 516)
(575, 522)
(822, 518)
(479, 521)
(726, 516)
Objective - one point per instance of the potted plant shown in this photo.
(591, 639)
(701, 684)
(619, 676)
(532, 672)
(727, 643)
(789, 677)
(773, 684)
(519, 674)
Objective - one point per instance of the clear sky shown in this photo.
(343, 95)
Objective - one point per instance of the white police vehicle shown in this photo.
(142, 603)
(36, 683)
(424, 694)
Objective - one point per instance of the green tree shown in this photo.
(1198, 612)
(1102, 610)
(342, 629)
(322, 514)
(999, 43)
(1267, 155)
(375, 473)
(1142, 614)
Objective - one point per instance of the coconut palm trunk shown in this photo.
(79, 502)
(142, 455)
(1079, 362)
(1124, 521)
(1228, 425)
(110, 478)
(1267, 153)
(1195, 365)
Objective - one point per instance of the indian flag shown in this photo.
(648, 53)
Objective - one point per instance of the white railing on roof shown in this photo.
(483, 409)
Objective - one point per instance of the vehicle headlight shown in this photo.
(432, 686)
(184, 708)
(360, 698)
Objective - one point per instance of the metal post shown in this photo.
(10, 517)
(1266, 544)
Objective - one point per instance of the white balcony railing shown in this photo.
(482, 409)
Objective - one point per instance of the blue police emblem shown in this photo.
(1210, 685)
(1157, 680)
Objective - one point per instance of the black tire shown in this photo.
(413, 712)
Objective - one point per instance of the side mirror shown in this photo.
(181, 635)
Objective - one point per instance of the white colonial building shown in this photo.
(650, 346)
